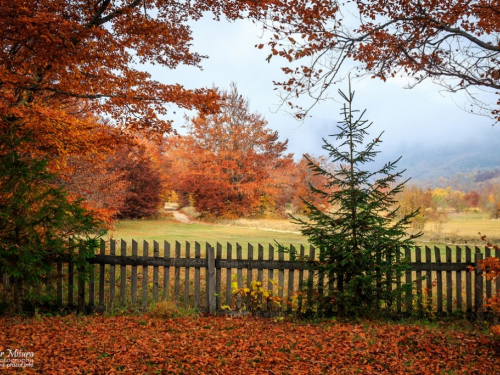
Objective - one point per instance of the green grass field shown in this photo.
(461, 229)
(171, 230)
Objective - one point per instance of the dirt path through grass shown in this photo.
(179, 216)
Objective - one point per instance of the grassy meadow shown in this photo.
(460, 229)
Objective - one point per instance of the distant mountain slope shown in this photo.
(425, 163)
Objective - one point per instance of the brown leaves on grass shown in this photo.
(133, 345)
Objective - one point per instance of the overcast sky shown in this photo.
(409, 117)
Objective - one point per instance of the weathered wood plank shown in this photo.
(91, 287)
(321, 277)
(418, 260)
(192, 262)
(211, 303)
(239, 272)
(458, 280)
(291, 275)
(449, 287)
(409, 295)
(112, 273)
(186, 276)
(310, 278)
(123, 274)
(478, 290)
(218, 277)
(71, 281)
(281, 275)
(497, 283)
(260, 257)
(102, 252)
(177, 272)
(398, 282)
(133, 279)
(197, 255)
(301, 280)
(229, 280)
(439, 282)
(428, 275)
(156, 281)
(81, 288)
(249, 274)
(468, 280)
(487, 254)
(166, 272)
(144, 299)
(270, 272)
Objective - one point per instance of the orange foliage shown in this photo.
(67, 65)
(304, 177)
(221, 345)
(452, 42)
(228, 161)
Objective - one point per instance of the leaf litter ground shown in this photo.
(221, 345)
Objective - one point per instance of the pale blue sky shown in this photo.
(422, 114)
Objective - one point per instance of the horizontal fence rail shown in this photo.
(204, 277)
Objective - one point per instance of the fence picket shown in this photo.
(177, 273)
(478, 290)
(134, 274)
(156, 282)
(197, 255)
(488, 282)
(186, 276)
(418, 259)
(310, 278)
(439, 278)
(249, 273)
(270, 272)
(428, 275)
(301, 279)
(239, 271)
(166, 271)
(476, 287)
(468, 280)
(409, 295)
(102, 303)
(458, 280)
(144, 300)
(211, 304)
(112, 273)
(229, 280)
(449, 287)
(281, 275)
(123, 274)
(218, 276)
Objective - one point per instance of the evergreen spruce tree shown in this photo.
(38, 224)
(359, 239)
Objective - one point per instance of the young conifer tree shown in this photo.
(359, 238)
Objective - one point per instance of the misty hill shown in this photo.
(465, 162)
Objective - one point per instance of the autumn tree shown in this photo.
(228, 159)
(304, 178)
(453, 43)
(411, 199)
(359, 241)
(145, 191)
(59, 55)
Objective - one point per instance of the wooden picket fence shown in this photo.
(120, 276)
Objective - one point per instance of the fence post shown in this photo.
(211, 300)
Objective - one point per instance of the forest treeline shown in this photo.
(230, 164)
